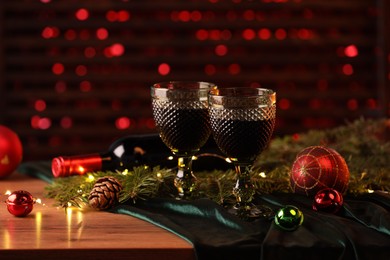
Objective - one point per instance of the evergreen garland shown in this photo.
(364, 144)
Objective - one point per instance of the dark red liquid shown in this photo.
(183, 130)
(243, 140)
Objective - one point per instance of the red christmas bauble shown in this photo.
(20, 203)
(11, 151)
(328, 200)
(316, 168)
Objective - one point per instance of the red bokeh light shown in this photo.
(34, 121)
(66, 122)
(351, 51)
(202, 34)
(111, 16)
(164, 69)
(248, 34)
(101, 33)
(264, 34)
(50, 32)
(82, 14)
(117, 49)
(196, 16)
(221, 50)
(249, 15)
(215, 35)
(122, 123)
(58, 68)
(347, 69)
(40, 105)
(81, 70)
(305, 34)
(184, 16)
(123, 16)
(280, 34)
(85, 86)
(42, 123)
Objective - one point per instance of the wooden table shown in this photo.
(49, 232)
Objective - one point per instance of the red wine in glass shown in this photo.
(242, 122)
(181, 116)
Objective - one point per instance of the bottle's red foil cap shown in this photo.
(60, 166)
(64, 166)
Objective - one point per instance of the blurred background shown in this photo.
(76, 75)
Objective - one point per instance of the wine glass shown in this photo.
(242, 121)
(181, 115)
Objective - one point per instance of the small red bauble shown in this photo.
(316, 168)
(328, 200)
(10, 151)
(20, 203)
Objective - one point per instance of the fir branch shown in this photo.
(364, 144)
(216, 185)
(143, 183)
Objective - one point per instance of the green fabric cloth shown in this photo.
(361, 230)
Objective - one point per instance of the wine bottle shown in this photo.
(124, 153)
(135, 150)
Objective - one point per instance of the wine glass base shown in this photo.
(251, 211)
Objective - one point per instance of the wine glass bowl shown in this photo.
(242, 122)
(181, 116)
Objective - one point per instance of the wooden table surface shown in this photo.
(49, 232)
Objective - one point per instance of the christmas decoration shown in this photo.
(105, 193)
(289, 218)
(328, 200)
(367, 155)
(10, 151)
(20, 203)
(316, 168)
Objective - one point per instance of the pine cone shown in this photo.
(105, 193)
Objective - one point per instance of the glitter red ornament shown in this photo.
(328, 200)
(10, 151)
(20, 203)
(316, 168)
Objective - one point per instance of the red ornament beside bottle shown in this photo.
(316, 168)
(328, 200)
(20, 203)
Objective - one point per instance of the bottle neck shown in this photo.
(64, 166)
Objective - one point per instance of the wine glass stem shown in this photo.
(243, 190)
(185, 180)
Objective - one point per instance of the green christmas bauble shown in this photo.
(289, 218)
